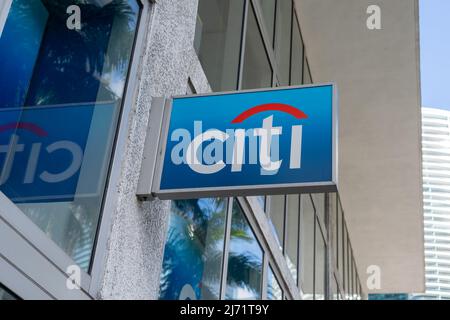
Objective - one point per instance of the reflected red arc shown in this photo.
(270, 107)
(24, 125)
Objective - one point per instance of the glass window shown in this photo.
(349, 268)
(193, 253)
(218, 41)
(257, 72)
(357, 284)
(319, 274)
(346, 265)
(60, 99)
(334, 289)
(261, 201)
(283, 41)
(307, 246)
(276, 213)
(340, 234)
(307, 79)
(350, 274)
(319, 204)
(292, 229)
(297, 54)
(5, 294)
(354, 291)
(274, 291)
(268, 12)
(332, 208)
(244, 261)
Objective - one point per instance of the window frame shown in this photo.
(281, 237)
(253, 7)
(272, 255)
(286, 234)
(4, 11)
(300, 270)
(224, 276)
(295, 24)
(269, 50)
(319, 233)
(270, 269)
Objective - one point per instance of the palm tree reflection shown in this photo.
(87, 65)
(194, 250)
(72, 67)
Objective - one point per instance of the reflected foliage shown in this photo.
(245, 259)
(42, 62)
(194, 250)
(88, 64)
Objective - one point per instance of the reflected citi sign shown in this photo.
(53, 153)
(248, 143)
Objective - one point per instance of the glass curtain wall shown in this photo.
(250, 44)
(218, 41)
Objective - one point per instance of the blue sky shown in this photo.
(435, 53)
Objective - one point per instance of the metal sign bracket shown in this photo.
(152, 149)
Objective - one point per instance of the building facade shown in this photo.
(76, 102)
(436, 175)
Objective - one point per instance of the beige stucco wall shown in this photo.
(378, 76)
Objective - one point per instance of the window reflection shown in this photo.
(276, 212)
(194, 249)
(292, 229)
(348, 273)
(218, 41)
(346, 265)
(274, 291)
(262, 201)
(60, 98)
(257, 72)
(319, 263)
(353, 286)
(283, 41)
(340, 241)
(297, 54)
(319, 204)
(307, 246)
(332, 209)
(307, 79)
(268, 12)
(334, 289)
(245, 260)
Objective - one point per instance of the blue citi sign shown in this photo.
(244, 143)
